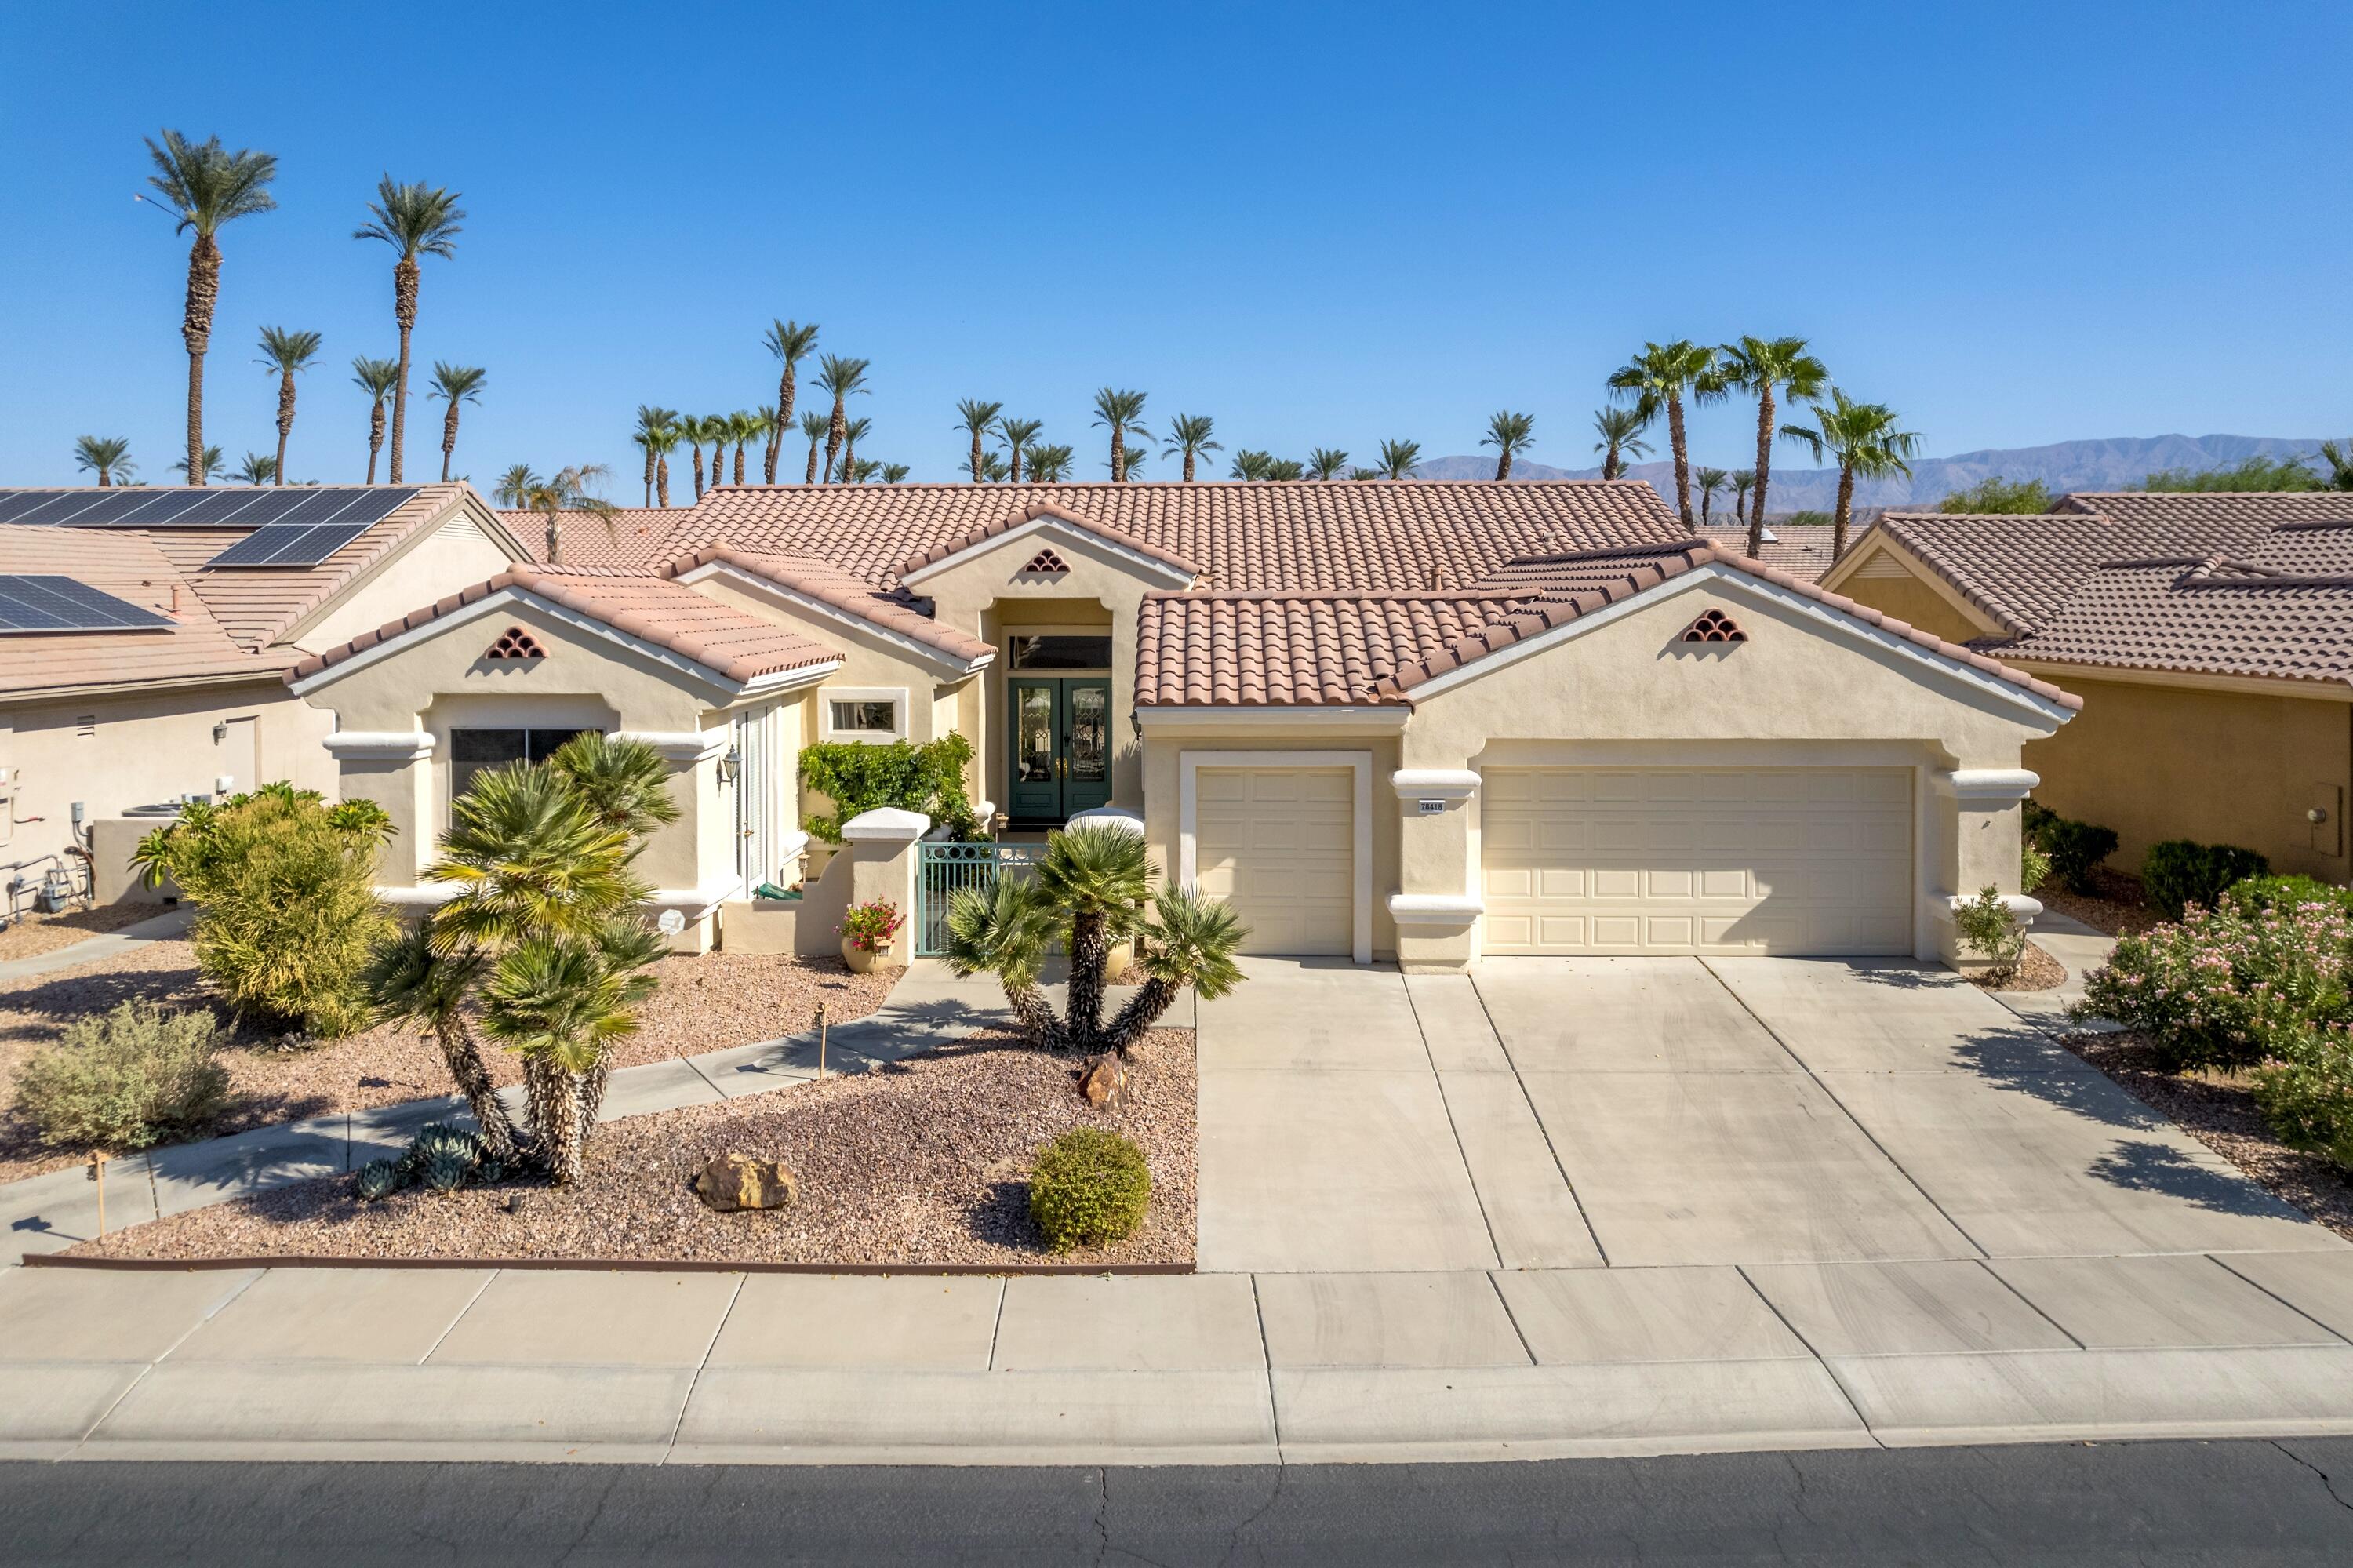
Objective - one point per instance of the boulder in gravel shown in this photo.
(734, 1181)
(1101, 1079)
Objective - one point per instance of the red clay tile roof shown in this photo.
(831, 586)
(1276, 649)
(123, 562)
(2249, 584)
(624, 536)
(736, 646)
(1800, 549)
(1033, 512)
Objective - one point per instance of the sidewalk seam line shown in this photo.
(2217, 1258)
(696, 1381)
(696, 1067)
(116, 1402)
(459, 1316)
(1266, 1356)
(1495, 1283)
(1819, 1360)
(996, 1329)
(1551, 1148)
(1438, 1082)
(1987, 1263)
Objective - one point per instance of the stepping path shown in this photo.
(173, 923)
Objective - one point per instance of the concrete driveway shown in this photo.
(1635, 1112)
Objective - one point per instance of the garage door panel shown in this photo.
(1697, 860)
(1278, 845)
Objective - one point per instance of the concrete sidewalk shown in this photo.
(168, 925)
(2081, 950)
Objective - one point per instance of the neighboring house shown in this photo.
(1428, 721)
(1800, 549)
(145, 633)
(2210, 638)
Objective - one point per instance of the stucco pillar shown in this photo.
(394, 769)
(692, 862)
(1437, 904)
(1978, 807)
(881, 847)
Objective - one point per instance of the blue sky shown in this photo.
(1323, 225)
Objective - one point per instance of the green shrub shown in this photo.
(2259, 895)
(1991, 931)
(1091, 1188)
(125, 1079)
(377, 1179)
(2071, 850)
(2307, 1092)
(860, 778)
(2179, 872)
(2224, 988)
(285, 890)
(2034, 866)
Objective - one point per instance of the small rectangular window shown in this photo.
(1052, 650)
(865, 717)
(473, 750)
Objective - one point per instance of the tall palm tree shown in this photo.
(1862, 438)
(790, 342)
(839, 377)
(109, 456)
(377, 378)
(1397, 458)
(207, 186)
(661, 443)
(1620, 431)
(895, 472)
(455, 383)
(1743, 479)
(1190, 434)
(1050, 465)
(1018, 435)
(513, 486)
(1762, 365)
(651, 422)
(815, 426)
(1359, 471)
(852, 432)
(974, 419)
(743, 427)
(258, 467)
(1710, 481)
(207, 468)
(1667, 375)
(1124, 412)
(1249, 464)
(284, 353)
(694, 430)
(1325, 463)
(416, 220)
(1284, 469)
(1510, 434)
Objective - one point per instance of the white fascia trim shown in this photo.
(679, 745)
(1837, 622)
(840, 617)
(1369, 716)
(379, 745)
(1360, 763)
(1143, 565)
(1435, 908)
(1434, 783)
(790, 679)
(1986, 783)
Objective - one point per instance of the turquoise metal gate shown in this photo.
(942, 869)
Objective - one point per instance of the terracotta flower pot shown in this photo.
(862, 959)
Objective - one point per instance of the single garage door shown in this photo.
(1609, 859)
(1278, 845)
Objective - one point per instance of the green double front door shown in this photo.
(1062, 747)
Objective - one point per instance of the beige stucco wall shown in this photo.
(455, 556)
(1910, 599)
(2164, 762)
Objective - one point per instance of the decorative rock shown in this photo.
(1101, 1079)
(734, 1181)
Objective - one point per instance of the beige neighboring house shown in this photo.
(2210, 638)
(1425, 721)
(146, 634)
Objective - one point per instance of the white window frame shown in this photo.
(895, 696)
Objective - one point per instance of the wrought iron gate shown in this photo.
(940, 869)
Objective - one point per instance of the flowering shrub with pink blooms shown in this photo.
(2227, 987)
(2306, 1091)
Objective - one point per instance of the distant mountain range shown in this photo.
(2118, 463)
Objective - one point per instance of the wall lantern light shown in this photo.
(731, 764)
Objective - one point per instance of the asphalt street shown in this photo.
(2241, 1503)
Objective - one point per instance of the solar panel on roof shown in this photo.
(40, 603)
(55, 508)
(375, 505)
(169, 507)
(316, 506)
(15, 502)
(289, 545)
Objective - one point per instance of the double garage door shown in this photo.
(1605, 860)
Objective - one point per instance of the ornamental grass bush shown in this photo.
(2228, 987)
(1090, 1188)
(123, 1079)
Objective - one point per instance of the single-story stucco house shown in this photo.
(1420, 721)
(2211, 637)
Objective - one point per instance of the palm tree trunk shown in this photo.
(1090, 955)
(697, 471)
(556, 1100)
(1838, 519)
(835, 433)
(1188, 465)
(649, 476)
(375, 437)
(105, 479)
(662, 481)
(403, 311)
(285, 419)
(1013, 473)
(1610, 461)
(1118, 455)
(464, 1056)
(1035, 1017)
(448, 440)
(197, 332)
(591, 1098)
(811, 477)
(1683, 459)
(1764, 469)
(1504, 464)
(977, 457)
(848, 473)
(1142, 1011)
(739, 463)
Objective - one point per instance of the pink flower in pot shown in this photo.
(867, 930)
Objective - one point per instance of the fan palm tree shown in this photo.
(1761, 366)
(454, 384)
(852, 432)
(1123, 411)
(1620, 431)
(651, 422)
(283, 353)
(1091, 891)
(208, 467)
(975, 418)
(109, 456)
(1050, 465)
(1397, 458)
(1190, 434)
(1510, 434)
(1018, 435)
(661, 443)
(839, 377)
(1710, 481)
(571, 489)
(207, 186)
(862, 470)
(1284, 469)
(410, 983)
(815, 426)
(416, 220)
(1862, 439)
(258, 467)
(1667, 375)
(744, 427)
(1325, 463)
(1249, 464)
(1743, 479)
(1361, 472)
(1138, 456)
(513, 486)
(377, 378)
(790, 342)
(895, 472)
(694, 430)
(2338, 456)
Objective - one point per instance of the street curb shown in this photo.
(595, 1265)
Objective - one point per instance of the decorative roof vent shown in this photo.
(1045, 564)
(514, 642)
(1714, 626)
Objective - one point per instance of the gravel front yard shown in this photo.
(921, 1162)
(35, 934)
(704, 1003)
(2115, 905)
